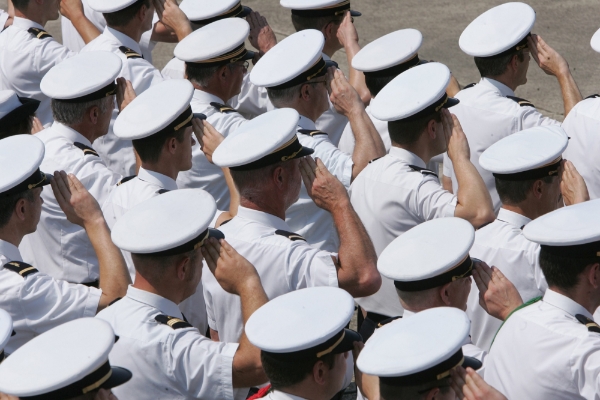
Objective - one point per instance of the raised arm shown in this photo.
(171, 15)
(73, 11)
(348, 37)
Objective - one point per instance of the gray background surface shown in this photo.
(565, 25)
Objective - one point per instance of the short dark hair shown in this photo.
(407, 132)
(124, 16)
(376, 82)
(8, 204)
(318, 23)
(20, 5)
(514, 192)
(389, 392)
(563, 271)
(153, 267)
(496, 65)
(283, 374)
(249, 183)
(20, 128)
(149, 148)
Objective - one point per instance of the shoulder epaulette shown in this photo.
(129, 53)
(470, 85)
(290, 235)
(39, 33)
(162, 191)
(424, 171)
(375, 159)
(87, 150)
(20, 268)
(387, 321)
(222, 108)
(593, 96)
(226, 221)
(526, 304)
(589, 323)
(126, 179)
(311, 133)
(114, 301)
(173, 322)
(520, 101)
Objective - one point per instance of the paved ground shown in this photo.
(566, 25)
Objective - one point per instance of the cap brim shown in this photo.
(306, 151)
(28, 107)
(215, 233)
(330, 63)
(472, 363)
(245, 12)
(118, 377)
(249, 55)
(355, 13)
(451, 102)
(347, 343)
(47, 179)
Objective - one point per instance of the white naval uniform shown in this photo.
(503, 245)
(166, 363)
(582, 125)
(37, 303)
(203, 174)
(347, 141)
(543, 352)
(486, 116)
(175, 69)
(59, 248)
(390, 198)
(304, 217)
(277, 395)
(118, 154)
(3, 18)
(25, 59)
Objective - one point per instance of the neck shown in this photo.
(505, 80)
(144, 284)
(86, 130)
(260, 204)
(11, 234)
(585, 298)
(525, 209)
(420, 151)
(132, 30)
(308, 112)
(215, 90)
(165, 168)
(305, 390)
(329, 49)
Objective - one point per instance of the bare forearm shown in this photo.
(234, 195)
(474, 200)
(369, 144)
(569, 90)
(163, 33)
(85, 28)
(357, 78)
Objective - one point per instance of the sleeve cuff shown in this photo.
(92, 302)
(227, 369)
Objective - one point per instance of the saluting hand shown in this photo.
(456, 140)
(548, 59)
(261, 35)
(572, 185)
(71, 9)
(104, 394)
(347, 33)
(497, 295)
(36, 126)
(171, 15)
(468, 385)
(343, 96)
(125, 93)
(77, 203)
(323, 188)
(208, 137)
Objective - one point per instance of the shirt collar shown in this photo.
(156, 178)
(165, 306)
(10, 251)
(407, 314)
(70, 134)
(204, 97)
(497, 86)
(306, 123)
(407, 156)
(25, 23)
(123, 39)
(565, 303)
(277, 395)
(513, 218)
(263, 218)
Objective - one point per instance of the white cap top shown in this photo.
(206, 11)
(412, 345)
(213, 40)
(300, 319)
(309, 4)
(525, 150)
(82, 75)
(497, 30)
(412, 92)
(165, 222)
(155, 109)
(20, 157)
(6, 329)
(595, 42)
(388, 51)
(8, 102)
(109, 6)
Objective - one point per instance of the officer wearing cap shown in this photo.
(528, 178)
(82, 90)
(412, 358)
(396, 193)
(305, 357)
(35, 301)
(501, 42)
(71, 362)
(296, 76)
(551, 347)
(16, 114)
(168, 237)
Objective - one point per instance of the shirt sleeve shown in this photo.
(310, 267)
(531, 117)
(98, 179)
(337, 162)
(252, 100)
(49, 54)
(433, 201)
(585, 367)
(143, 74)
(208, 279)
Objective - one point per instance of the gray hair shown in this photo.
(284, 97)
(69, 113)
(250, 183)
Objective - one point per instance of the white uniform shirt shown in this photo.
(203, 174)
(25, 59)
(543, 352)
(118, 154)
(304, 217)
(277, 395)
(502, 244)
(175, 69)
(347, 141)
(166, 363)
(486, 116)
(3, 18)
(59, 248)
(390, 198)
(582, 125)
(37, 302)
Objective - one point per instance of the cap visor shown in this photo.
(215, 233)
(249, 55)
(245, 12)
(306, 151)
(355, 13)
(28, 107)
(118, 377)
(330, 63)
(472, 363)
(47, 179)
(347, 343)
(451, 102)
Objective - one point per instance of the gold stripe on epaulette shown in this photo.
(25, 270)
(174, 321)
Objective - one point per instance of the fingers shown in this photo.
(210, 251)
(458, 381)
(321, 169)
(307, 168)
(74, 183)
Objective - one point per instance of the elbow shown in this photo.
(365, 96)
(367, 283)
(483, 217)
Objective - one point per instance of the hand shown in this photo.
(208, 137)
(171, 15)
(497, 295)
(105, 394)
(572, 185)
(367, 384)
(80, 207)
(323, 188)
(4, 396)
(456, 140)
(71, 9)
(546, 57)
(468, 385)
(125, 93)
(343, 96)
(261, 35)
(36, 126)
(346, 33)
(232, 271)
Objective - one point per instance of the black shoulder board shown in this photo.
(387, 321)
(290, 235)
(311, 133)
(375, 159)
(589, 323)
(222, 108)
(226, 221)
(114, 301)
(87, 150)
(173, 322)
(424, 171)
(593, 96)
(39, 33)
(470, 85)
(520, 101)
(162, 191)
(20, 268)
(129, 53)
(126, 179)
